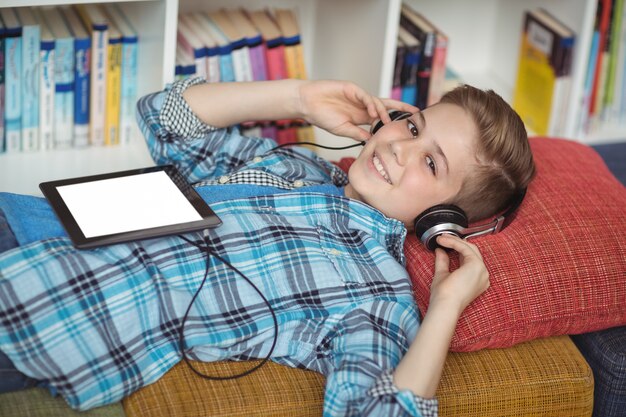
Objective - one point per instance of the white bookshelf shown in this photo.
(342, 39)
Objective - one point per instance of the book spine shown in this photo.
(46, 95)
(256, 48)
(213, 64)
(114, 87)
(276, 65)
(31, 35)
(64, 93)
(294, 58)
(605, 14)
(227, 71)
(82, 51)
(2, 69)
(129, 88)
(97, 104)
(427, 40)
(438, 70)
(13, 93)
(241, 61)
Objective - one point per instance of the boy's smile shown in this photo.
(413, 164)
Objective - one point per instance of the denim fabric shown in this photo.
(7, 238)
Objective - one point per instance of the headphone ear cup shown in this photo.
(394, 115)
(437, 220)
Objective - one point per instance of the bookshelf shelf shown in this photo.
(342, 39)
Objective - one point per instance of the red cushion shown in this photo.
(559, 268)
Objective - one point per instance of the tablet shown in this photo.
(129, 205)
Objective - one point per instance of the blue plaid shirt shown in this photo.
(99, 324)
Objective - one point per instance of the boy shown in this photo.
(326, 253)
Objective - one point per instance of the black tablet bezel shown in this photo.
(49, 190)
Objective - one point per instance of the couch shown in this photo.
(511, 355)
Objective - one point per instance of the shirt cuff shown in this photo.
(177, 117)
(428, 407)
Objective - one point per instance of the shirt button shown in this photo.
(298, 183)
(223, 179)
(257, 159)
(335, 252)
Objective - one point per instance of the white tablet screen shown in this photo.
(126, 204)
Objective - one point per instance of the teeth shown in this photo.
(379, 167)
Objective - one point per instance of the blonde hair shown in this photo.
(505, 163)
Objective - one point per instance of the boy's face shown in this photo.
(413, 164)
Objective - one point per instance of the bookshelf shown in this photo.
(342, 39)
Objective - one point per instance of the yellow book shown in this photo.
(114, 87)
(294, 55)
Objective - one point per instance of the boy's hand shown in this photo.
(457, 289)
(340, 107)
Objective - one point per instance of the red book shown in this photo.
(274, 44)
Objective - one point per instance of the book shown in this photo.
(225, 59)
(191, 43)
(98, 26)
(185, 65)
(438, 69)
(609, 99)
(274, 44)
(12, 80)
(294, 55)
(64, 68)
(238, 46)
(31, 38)
(396, 83)
(409, 66)
(82, 74)
(2, 145)
(46, 84)
(419, 27)
(254, 40)
(129, 75)
(114, 87)
(543, 76)
(603, 20)
(211, 62)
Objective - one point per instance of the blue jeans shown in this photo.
(10, 378)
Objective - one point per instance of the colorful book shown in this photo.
(64, 69)
(238, 46)
(438, 69)
(294, 55)
(114, 87)
(226, 64)
(46, 84)
(419, 27)
(2, 144)
(212, 53)
(192, 44)
(396, 83)
(82, 75)
(254, 40)
(12, 80)
(409, 66)
(543, 78)
(129, 70)
(185, 65)
(612, 85)
(274, 44)
(98, 26)
(602, 22)
(31, 38)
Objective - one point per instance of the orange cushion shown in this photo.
(559, 268)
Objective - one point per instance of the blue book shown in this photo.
(46, 84)
(227, 69)
(410, 64)
(128, 94)
(31, 38)
(1, 87)
(82, 74)
(12, 80)
(64, 68)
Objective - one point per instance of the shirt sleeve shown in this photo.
(366, 348)
(175, 135)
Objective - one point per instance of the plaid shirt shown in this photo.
(99, 324)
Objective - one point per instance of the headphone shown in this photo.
(448, 218)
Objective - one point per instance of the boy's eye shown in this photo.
(412, 128)
(431, 164)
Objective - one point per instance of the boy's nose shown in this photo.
(402, 149)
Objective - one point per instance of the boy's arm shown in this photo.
(337, 106)
(420, 369)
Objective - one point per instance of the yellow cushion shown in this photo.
(541, 377)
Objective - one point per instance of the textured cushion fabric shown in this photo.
(38, 402)
(605, 351)
(274, 390)
(542, 377)
(559, 268)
